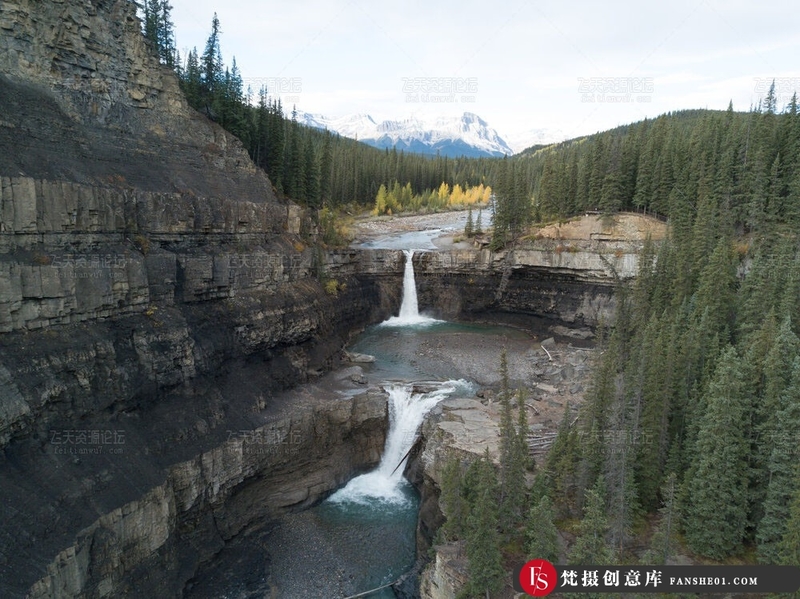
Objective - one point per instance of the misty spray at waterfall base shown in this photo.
(409, 306)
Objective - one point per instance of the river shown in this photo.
(363, 535)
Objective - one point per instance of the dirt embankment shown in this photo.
(625, 226)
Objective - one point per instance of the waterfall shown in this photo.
(406, 412)
(409, 308)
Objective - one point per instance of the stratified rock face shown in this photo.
(136, 236)
(89, 48)
(151, 546)
(576, 288)
(155, 296)
(447, 574)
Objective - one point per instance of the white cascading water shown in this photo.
(406, 412)
(409, 308)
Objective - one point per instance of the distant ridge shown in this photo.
(467, 135)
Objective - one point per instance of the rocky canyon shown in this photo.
(157, 296)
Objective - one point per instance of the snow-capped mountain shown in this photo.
(467, 135)
(354, 126)
(522, 140)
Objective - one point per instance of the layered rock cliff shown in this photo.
(85, 100)
(155, 296)
(576, 287)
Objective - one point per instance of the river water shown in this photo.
(423, 232)
(363, 536)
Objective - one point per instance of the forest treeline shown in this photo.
(694, 412)
(313, 167)
(676, 164)
(668, 166)
(695, 405)
(688, 441)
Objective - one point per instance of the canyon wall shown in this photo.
(574, 288)
(153, 545)
(156, 296)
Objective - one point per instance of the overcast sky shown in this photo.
(572, 67)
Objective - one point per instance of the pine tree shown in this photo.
(165, 35)
(150, 22)
(483, 541)
(295, 178)
(500, 206)
(325, 178)
(590, 546)
(789, 547)
(512, 466)
(454, 506)
(548, 199)
(664, 539)
(768, 389)
(541, 532)
(469, 227)
(784, 439)
(656, 371)
(276, 145)
(716, 515)
(478, 224)
(771, 102)
(523, 449)
(790, 302)
(192, 81)
(716, 290)
(211, 61)
(611, 194)
(312, 182)
(562, 464)
(259, 143)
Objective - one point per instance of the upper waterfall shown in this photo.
(409, 307)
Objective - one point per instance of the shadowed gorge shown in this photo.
(157, 298)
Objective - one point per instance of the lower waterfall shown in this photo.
(406, 412)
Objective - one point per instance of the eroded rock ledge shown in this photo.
(172, 370)
(151, 546)
(573, 287)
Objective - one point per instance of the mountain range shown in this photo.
(467, 135)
